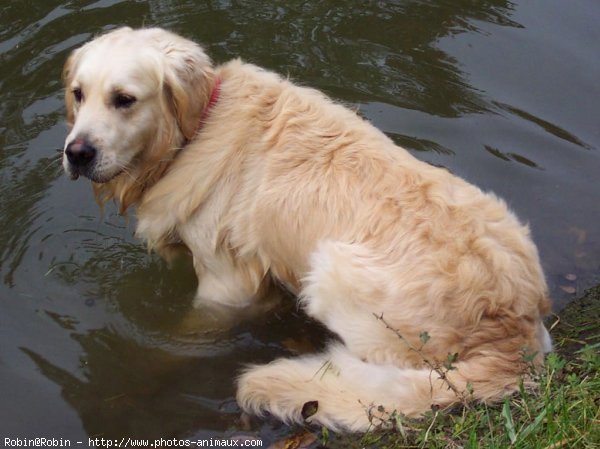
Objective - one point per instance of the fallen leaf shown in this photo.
(568, 289)
(571, 277)
(300, 440)
(309, 408)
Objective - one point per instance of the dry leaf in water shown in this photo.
(309, 408)
(302, 440)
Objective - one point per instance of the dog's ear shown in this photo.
(188, 80)
(67, 78)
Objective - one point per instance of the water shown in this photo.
(94, 334)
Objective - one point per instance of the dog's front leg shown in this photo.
(223, 282)
(225, 297)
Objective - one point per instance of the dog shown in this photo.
(433, 287)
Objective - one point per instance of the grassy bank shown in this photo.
(562, 413)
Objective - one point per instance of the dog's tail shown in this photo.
(353, 395)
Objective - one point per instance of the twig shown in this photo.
(432, 366)
(426, 437)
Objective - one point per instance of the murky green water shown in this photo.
(94, 338)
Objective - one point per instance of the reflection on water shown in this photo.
(96, 338)
(167, 381)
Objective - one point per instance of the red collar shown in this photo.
(214, 97)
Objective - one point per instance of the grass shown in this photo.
(564, 412)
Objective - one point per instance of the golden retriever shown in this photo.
(434, 288)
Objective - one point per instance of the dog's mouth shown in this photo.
(92, 173)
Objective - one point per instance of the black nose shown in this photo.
(80, 153)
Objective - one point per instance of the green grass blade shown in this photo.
(509, 425)
(530, 428)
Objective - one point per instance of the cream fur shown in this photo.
(283, 184)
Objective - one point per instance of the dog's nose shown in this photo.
(80, 153)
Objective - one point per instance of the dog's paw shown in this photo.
(271, 388)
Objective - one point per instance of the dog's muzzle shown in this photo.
(81, 156)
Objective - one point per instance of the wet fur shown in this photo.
(281, 183)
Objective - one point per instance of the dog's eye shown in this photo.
(124, 101)
(78, 95)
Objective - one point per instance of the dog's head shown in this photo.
(133, 98)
